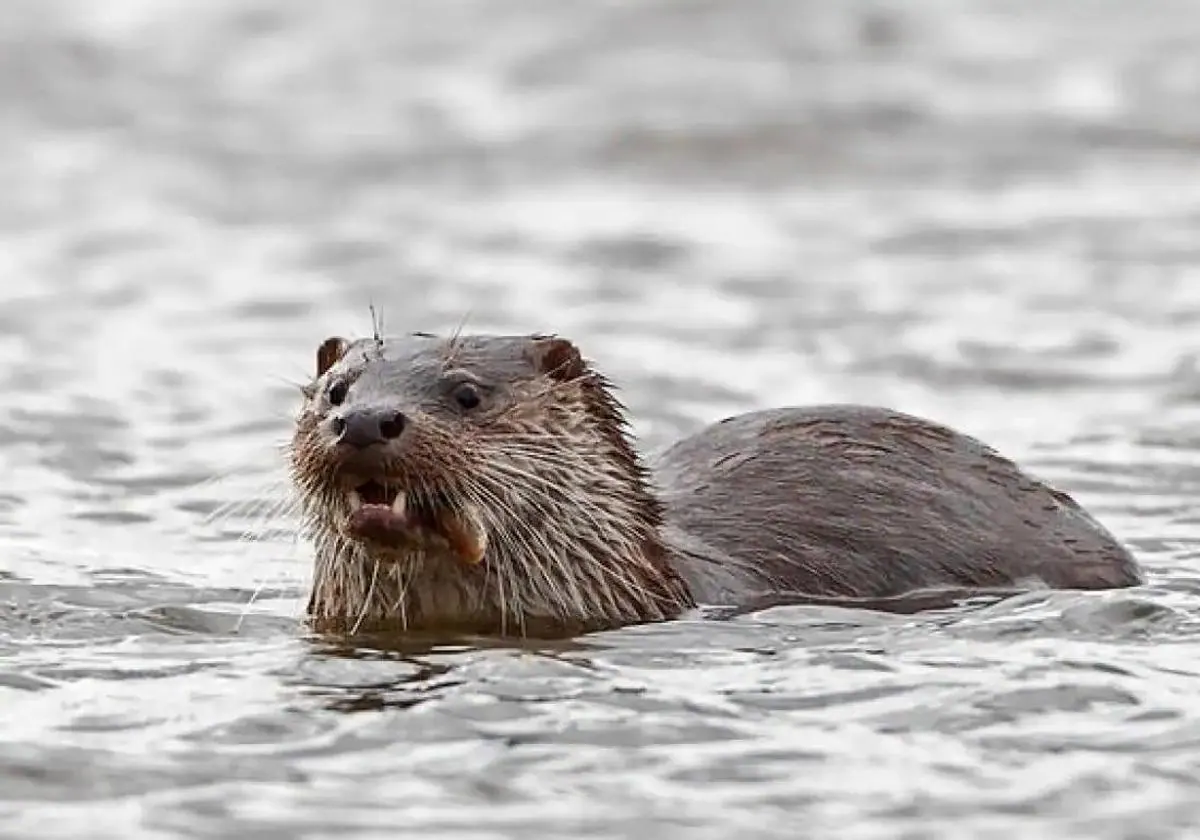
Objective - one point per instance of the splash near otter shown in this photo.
(489, 484)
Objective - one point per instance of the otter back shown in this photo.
(865, 503)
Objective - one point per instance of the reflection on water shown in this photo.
(982, 212)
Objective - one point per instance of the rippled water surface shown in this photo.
(987, 213)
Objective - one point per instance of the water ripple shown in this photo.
(984, 213)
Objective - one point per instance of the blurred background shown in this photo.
(983, 212)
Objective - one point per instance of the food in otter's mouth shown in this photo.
(388, 515)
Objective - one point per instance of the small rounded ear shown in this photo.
(557, 358)
(329, 352)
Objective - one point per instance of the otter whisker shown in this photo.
(402, 597)
(574, 573)
(453, 343)
(539, 458)
(524, 549)
(611, 531)
(237, 625)
(263, 519)
(512, 471)
(542, 451)
(549, 552)
(501, 575)
(376, 325)
(367, 600)
(266, 497)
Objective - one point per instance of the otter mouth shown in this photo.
(390, 516)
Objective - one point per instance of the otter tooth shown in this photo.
(356, 501)
(400, 505)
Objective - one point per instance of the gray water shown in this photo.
(986, 213)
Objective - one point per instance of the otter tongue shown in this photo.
(378, 522)
(373, 515)
(465, 533)
(393, 523)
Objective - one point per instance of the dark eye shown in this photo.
(337, 392)
(466, 394)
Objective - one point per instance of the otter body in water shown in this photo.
(489, 484)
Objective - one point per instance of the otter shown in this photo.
(489, 484)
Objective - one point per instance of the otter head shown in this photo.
(481, 482)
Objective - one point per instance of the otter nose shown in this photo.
(366, 427)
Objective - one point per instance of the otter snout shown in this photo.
(363, 427)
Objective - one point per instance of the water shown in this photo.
(982, 212)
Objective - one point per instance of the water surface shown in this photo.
(984, 212)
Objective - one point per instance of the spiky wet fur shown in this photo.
(573, 527)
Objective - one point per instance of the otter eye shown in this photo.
(466, 394)
(337, 392)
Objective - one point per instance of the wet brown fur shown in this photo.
(833, 502)
(556, 561)
(864, 502)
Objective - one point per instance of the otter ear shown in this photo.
(557, 358)
(329, 352)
